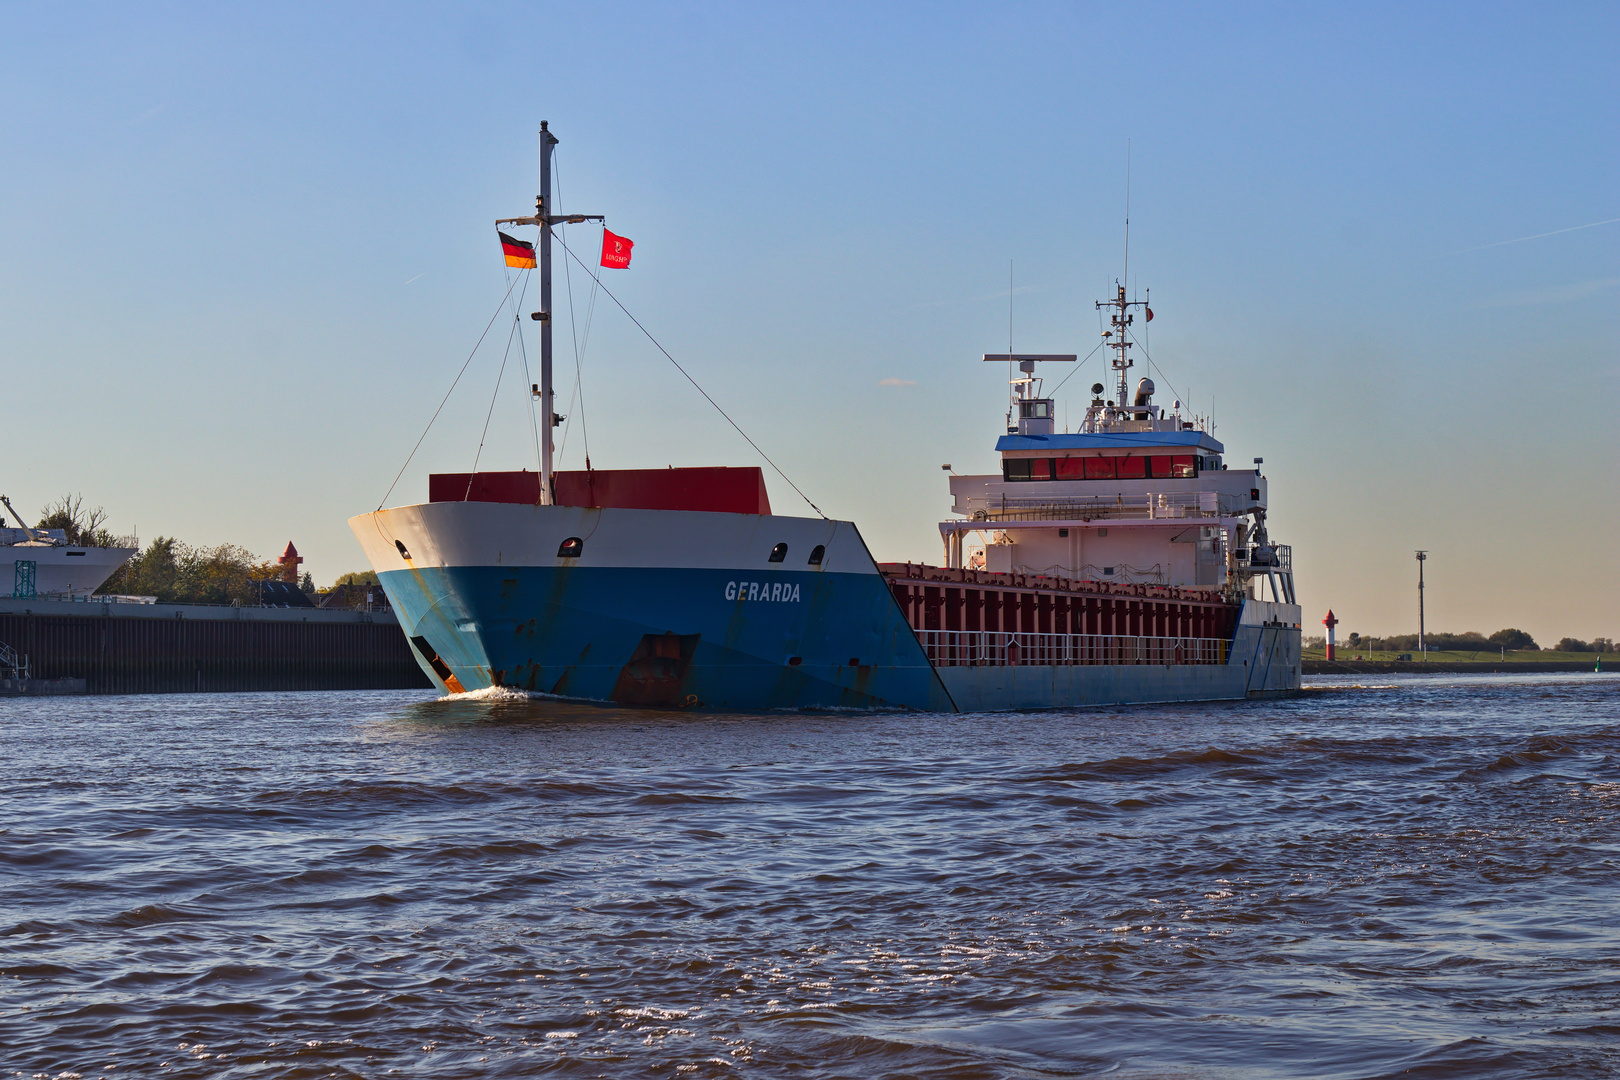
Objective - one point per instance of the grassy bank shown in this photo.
(1346, 654)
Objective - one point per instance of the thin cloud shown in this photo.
(1522, 239)
(897, 382)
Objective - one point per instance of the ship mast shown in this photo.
(544, 219)
(1119, 339)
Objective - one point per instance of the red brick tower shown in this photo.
(289, 563)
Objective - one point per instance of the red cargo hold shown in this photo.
(717, 490)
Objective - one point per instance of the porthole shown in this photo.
(778, 553)
(816, 553)
(402, 552)
(572, 548)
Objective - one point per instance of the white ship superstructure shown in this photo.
(41, 562)
(1139, 494)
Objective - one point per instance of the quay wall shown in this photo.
(120, 648)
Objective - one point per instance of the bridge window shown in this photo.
(1014, 469)
(1178, 467)
(778, 553)
(572, 548)
(816, 554)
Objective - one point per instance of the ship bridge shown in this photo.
(1140, 494)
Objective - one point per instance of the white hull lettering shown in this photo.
(773, 591)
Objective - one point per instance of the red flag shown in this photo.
(1150, 314)
(616, 251)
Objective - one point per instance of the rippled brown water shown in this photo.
(1414, 879)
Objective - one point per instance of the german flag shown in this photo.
(517, 252)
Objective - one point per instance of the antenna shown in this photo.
(1118, 338)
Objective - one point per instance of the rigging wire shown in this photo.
(1160, 370)
(1073, 371)
(517, 325)
(608, 292)
(573, 328)
(523, 351)
(447, 394)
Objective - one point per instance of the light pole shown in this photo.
(1421, 556)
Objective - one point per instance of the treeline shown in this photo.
(1511, 639)
(178, 573)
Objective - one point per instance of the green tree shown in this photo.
(360, 578)
(1513, 639)
(177, 573)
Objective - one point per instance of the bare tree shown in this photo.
(84, 528)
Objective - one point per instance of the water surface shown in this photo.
(1414, 877)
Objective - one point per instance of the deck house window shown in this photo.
(1015, 468)
(1183, 466)
(1071, 468)
(1099, 468)
(1132, 468)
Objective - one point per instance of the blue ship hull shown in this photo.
(669, 636)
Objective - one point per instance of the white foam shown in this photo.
(489, 693)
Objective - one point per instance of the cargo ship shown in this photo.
(1123, 562)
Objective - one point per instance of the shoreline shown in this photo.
(1478, 667)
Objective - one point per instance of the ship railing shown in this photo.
(994, 648)
(103, 598)
(1179, 505)
(13, 665)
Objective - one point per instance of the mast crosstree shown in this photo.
(1118, 338)
(544, 220)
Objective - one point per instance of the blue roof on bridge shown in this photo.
(1125, 440)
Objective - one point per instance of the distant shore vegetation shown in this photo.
(175, 572)
(1472, 643)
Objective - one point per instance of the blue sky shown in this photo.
(245, 251)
